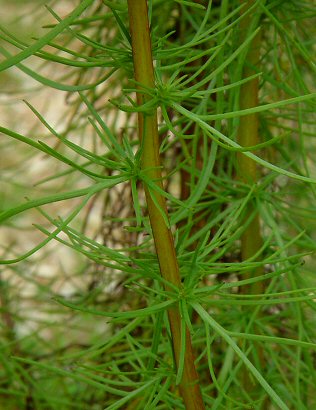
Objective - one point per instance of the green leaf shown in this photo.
(60, 197)
(126, 315)
(224, 334)
(44, 40)
(213, 132)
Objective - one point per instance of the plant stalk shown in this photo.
(248, 135)
(164, 243)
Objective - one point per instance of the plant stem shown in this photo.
(164, 244)
(248, 135)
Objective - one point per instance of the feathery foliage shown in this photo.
(190, 282)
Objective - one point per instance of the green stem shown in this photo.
(164, 244)
(248, 135)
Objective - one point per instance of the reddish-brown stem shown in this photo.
(164, 244)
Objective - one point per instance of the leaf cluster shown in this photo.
(105, 343)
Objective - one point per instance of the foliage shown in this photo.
(95, 334)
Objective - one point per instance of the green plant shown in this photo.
(190, 288)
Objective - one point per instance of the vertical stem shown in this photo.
(164, 244)
(248, 135)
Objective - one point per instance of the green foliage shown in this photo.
(93, 333)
